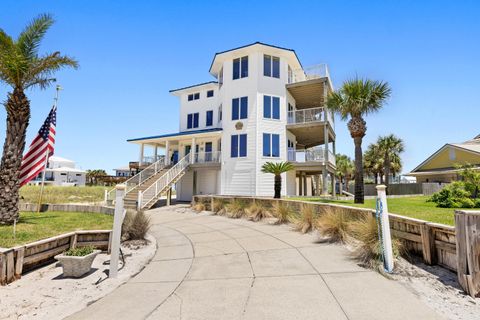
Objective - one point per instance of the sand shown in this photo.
(45, 294)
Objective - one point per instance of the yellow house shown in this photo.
(441, 166)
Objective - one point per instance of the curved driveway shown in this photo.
(211, 267)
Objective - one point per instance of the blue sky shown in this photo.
(132, 52)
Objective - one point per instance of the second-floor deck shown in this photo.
(313, 156)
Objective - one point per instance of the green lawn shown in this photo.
(36, 226)
(414, 207)
(57, 194)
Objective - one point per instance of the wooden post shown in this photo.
(169, 197)
(429, 251)
(467, 232)
(117, 229)
(3, 269)
(19, 262)
(10, 266)
(73, 241)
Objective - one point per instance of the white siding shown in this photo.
(206, 181)
(185, 187)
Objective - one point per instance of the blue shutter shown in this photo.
(276, 108)
(267, 107)
(275, 145)
(244, 108)
(266, 145)
(236, 69)
(244, 67)
(235, 108)
(243, 145)
(189, 121)
(234, 146)
(275, 67)
(195, 120)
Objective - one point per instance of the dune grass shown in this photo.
(58, 194)
(36, 226)
(414, 207)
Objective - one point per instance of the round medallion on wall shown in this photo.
(239, 125)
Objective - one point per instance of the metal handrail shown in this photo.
(140, 177)
(310, 155)
(164, 181)
(207, 157)
(308, 73)
(309, 115)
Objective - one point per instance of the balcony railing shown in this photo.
(309, 115)
(308, 73)
(310, 155)
(207, 157)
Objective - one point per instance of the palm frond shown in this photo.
(276, 168)
(31, 37)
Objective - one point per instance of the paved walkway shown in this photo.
(211, 267)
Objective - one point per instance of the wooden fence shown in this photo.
(15, 261)
(436, 243)
(33, 207)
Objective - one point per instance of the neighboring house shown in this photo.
(263, 106)
(62, 172)
(441, 166)
(123, 172)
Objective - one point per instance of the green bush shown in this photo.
(454, 196)
(79, 252)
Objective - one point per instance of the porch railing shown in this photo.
(207, 157)
(158, 187)
(310, 155)
(308, 73)
(309, 115)
(140, 177)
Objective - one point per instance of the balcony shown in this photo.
(207, 158)
(313, 156)
(308, 73)
(304, 116)
(308, 126)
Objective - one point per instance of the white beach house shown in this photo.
(61, 172)
(262, 106)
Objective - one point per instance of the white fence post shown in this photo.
(117, 229)
(385, 228)
(139, 200)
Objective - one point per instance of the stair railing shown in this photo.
(159, 186)
(139, 178)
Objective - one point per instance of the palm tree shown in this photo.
(373, 162)
(390, 148)
(345, 169)
(277, 168)
(22, 68)
(356, 99)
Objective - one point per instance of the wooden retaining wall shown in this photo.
(15, 261)
(435, 242)
(33, 207)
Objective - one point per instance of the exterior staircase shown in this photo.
(144, 189)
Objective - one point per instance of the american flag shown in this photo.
(35, 159)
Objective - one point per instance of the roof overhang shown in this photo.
(161, 139)
(220, 57)
(194, 88)
(456, 146)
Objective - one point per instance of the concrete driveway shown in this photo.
(211, 267)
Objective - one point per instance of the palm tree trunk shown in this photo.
(340, 185)
(18, 116)
(278, 186)
(387, 170)
(359, 191)
(380, 174)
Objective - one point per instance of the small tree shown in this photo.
(390, 147)
(277, 168)
(345, 169)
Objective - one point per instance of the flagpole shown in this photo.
(55, 101)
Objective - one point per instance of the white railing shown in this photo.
(310, 155)
(309, 115)
(308, 73)
(207, 157)
(140, 177)
(151, 159)
(159, 186)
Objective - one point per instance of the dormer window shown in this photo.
(194, 96)
(271, 66)
(240, 68)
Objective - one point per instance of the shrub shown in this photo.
(199, 207)
(369, 249)
(334, 225)
(283, 212)
(236, 209)
(257, 212)
(453, 196)
(219, 206)
(135, 225)
(305, 222)
(79, 251)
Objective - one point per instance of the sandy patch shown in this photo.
(44, 294)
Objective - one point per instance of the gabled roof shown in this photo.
(218, 55)
(178, 134)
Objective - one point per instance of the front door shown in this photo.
(208, 151)
(188, 149)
